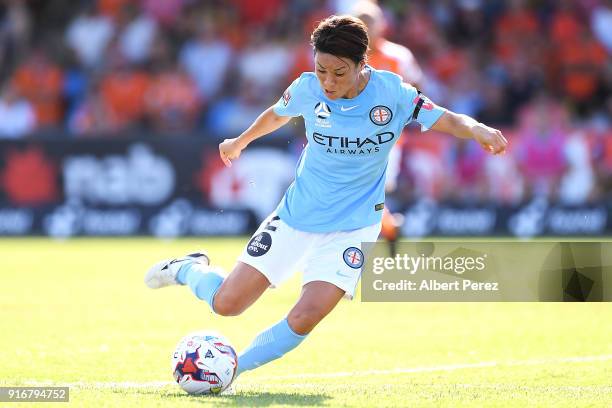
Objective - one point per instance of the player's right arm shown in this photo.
(270, 120)
(267, 122)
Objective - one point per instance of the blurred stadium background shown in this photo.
(111, 112)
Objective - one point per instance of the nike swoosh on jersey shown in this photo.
(343, 109)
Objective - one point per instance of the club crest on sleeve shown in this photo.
(286, 97)
(260, 244)
(381, 115)
(353, 257)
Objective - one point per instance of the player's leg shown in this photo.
(332, 271)
(269, 258)
(225, 296)
(316, 301)
(240, 290)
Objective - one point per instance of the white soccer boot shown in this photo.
(164, 272)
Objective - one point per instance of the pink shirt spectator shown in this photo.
(541, 154)
(469, 165)
(166, 12)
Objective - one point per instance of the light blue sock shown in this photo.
(269, 345)
(203, 281)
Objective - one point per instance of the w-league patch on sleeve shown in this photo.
(286, 97)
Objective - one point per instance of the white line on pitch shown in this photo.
(450, 367)
(426, 369)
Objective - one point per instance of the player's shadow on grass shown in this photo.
(244, 399)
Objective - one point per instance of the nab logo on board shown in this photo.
(137, 177)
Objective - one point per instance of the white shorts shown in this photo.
(278, 251)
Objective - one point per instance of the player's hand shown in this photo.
(229, 150)
(490, 139)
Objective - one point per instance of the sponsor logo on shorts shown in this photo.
(353, 257)
(260, 244)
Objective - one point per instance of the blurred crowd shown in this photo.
(539, 68)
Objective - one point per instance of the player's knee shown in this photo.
(302, 321)
(227, 304)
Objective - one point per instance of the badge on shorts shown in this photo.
(353, 257)
(260, 244)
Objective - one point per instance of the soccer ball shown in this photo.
(204, 363)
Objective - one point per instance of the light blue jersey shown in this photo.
(340, 178)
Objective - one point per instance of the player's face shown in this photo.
(338, 76)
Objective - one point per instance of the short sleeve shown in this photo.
(419, 108)
(288, 104)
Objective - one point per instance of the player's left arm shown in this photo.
(465, 127)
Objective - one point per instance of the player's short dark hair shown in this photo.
(342, 36)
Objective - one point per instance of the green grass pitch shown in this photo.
(77, 313)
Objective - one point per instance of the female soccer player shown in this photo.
(353, 115)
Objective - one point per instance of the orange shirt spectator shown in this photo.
(257, 12)
(303, 61)
(40, 81)
(396, 58)
(124, 91)
(448, 62)
(111, 8)
(93, 117)
(303, 58)
(513, 30)
(385, 54)
(565, 26)
(581, 62)
(172, 101)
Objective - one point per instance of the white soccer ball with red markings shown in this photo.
(204, 363)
